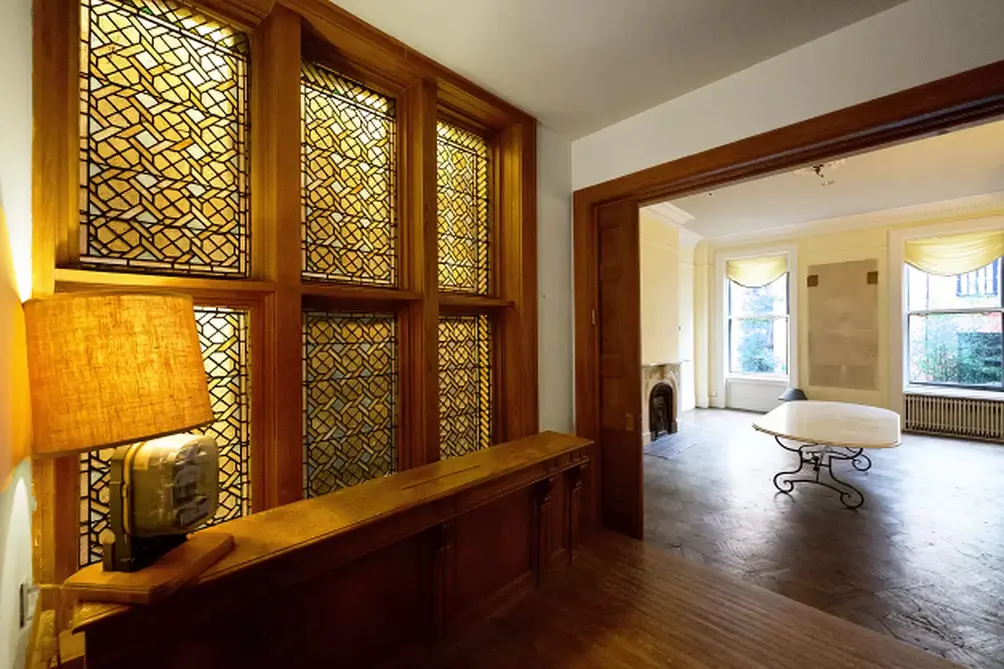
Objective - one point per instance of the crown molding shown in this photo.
(928, 212)
(670, 213)
(675, 217)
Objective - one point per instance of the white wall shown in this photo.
(688, 387)
(703, 290)
(908, 45)
(15, 284)
(554, 279)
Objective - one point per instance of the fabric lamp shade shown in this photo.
(955, 254)
(109, 368)
(756, 272)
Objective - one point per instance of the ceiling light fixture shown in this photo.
(823, 171)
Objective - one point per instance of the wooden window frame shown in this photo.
(281, 33)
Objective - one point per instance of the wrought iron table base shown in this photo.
(813, 460)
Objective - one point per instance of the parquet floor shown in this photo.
(922, 561)
(625, 605)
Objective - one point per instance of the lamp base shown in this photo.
(126, 553)
(160, 579)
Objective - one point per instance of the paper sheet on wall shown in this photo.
(843, 325)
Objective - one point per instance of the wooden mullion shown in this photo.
(517, 273)
(419, 267)
(55, 104)
(275, 211)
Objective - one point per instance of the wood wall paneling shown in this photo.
(371, 574)
(493, 547)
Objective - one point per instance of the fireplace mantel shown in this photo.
(652, 374)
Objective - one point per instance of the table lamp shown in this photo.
(126, 371)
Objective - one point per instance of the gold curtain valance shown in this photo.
(756, 272)
(956, 254)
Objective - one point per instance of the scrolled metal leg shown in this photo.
(850, 496)
(861, 462)
(820, 459)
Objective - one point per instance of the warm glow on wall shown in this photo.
(15, 284)
(20, 250)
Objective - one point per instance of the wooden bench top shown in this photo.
(624, 604)
(405, 500)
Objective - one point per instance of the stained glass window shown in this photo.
(349, 213)
(223, 334)
(463, 184)
(350, 395)
(465, 384)
(163, 140)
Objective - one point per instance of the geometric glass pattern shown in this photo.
(223, 335)
(348, 212)
(163, 140)
(350, 396)
(465, 384)
(463, 187)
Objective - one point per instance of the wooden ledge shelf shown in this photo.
(86, 279)
(421, 552)
(460, 301)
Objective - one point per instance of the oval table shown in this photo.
(828, 432)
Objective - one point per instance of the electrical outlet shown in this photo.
(27, 601)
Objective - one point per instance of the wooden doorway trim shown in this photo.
(966, 98)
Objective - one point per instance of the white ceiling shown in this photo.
(959, 164)
(580, 65)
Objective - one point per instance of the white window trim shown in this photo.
(898, 365)
(719, 319)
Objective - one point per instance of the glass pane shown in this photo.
(163, 140)
(977, 289)
(758, 345)
(223, 335)
(957, 349)
(463, 186)
(349, 210)
(349, 399)
(771, 299)
(465, 384)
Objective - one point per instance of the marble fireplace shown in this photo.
(660, 400)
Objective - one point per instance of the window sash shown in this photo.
(948, 312)
(787, 348)
(767, 314)
(743, 315)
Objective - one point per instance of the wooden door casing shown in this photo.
(619, 341)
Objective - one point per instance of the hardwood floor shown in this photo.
(921, 561)
(624, 604)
